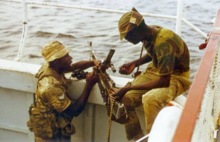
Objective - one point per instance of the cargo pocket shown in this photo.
(42, 124)
(66, 127)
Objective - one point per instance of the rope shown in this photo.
(140, 55)
(138, 65)
(112, 102)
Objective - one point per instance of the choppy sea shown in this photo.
(74, 27)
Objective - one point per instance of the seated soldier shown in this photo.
(166, 77)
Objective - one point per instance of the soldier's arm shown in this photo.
(129, 67)
(165, 65)
(74, 109)
(82, 65)
(162, 81)
(145, 59)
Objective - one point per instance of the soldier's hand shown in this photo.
(92, 78)
(119, 94)
(126, 68)
(97, 63)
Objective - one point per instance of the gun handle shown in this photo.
(113, 67)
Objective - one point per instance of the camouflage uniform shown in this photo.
(46, 118)
(169, 55)
(51, 99)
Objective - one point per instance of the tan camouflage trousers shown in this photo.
(153, 101)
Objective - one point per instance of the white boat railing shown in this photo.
(179, 18)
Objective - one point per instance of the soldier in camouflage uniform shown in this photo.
(165, 77)
(53, 110)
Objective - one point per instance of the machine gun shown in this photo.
(115, 109)
(105, 82)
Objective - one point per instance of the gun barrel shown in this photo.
(109, 57)
(107, 61)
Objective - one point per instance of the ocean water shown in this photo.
(74, 27)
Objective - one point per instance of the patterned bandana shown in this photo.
(129, 21)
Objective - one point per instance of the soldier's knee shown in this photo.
(147, 98)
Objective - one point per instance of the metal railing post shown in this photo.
(179, 17)
(24, 32)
